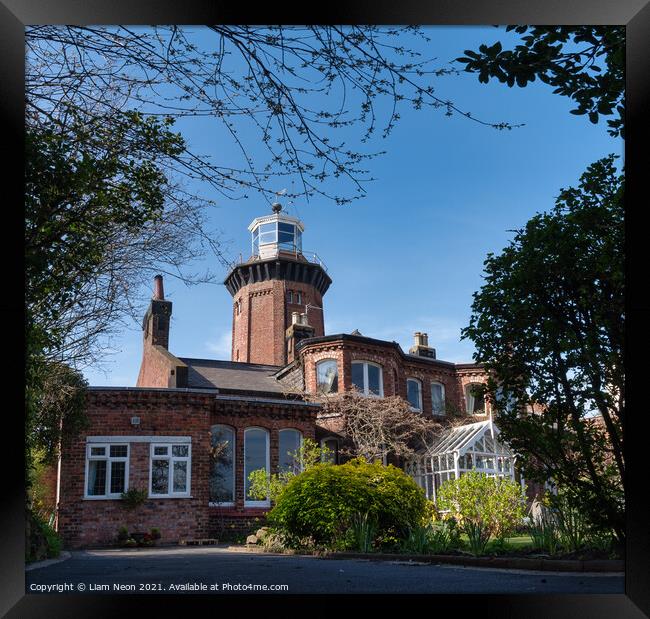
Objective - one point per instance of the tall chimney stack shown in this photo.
(158, 290)
(421, 346)
(155, 324)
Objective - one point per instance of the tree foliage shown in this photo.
(584, 63)
(549, 325)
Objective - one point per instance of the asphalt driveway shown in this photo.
(213, 570)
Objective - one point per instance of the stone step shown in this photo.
(198, 542)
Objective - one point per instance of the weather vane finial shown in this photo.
(276, 207)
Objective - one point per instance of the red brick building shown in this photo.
(191, 430)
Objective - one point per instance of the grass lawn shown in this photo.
(516, 543)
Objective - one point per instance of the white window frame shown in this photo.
(419, 384)
(444, 398)
(330, 360)
(234, 469)
(366, 390)
(300, 442)
(108, 458)
(170, 477)
(267, 502)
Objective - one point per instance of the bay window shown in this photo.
(327, 376)
(367, 378)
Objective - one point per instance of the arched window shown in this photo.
(327, 376)
(474, 400)
(289, 443)
(256, 457)
(333, 445)
(222, 474)
(437, 398)
(367, 378)
(414, 393)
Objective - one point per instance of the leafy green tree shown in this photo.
(549, 325)
(100, 216)
(584, 63)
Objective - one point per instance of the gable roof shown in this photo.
(232, 376)
(462, 438)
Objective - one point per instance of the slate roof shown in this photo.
(232, 376)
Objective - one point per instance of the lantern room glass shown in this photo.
(281, 234)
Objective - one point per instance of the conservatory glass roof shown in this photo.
(462, 438)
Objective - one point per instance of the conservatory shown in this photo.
(460, 449)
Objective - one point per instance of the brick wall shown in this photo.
(396, 369)
(261, 315)
(93, 522)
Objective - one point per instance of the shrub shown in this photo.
(155, 533)
(122, 534)
(43, 542)
(264, 486)
(484, 506)
(133, 498)
(322, 502)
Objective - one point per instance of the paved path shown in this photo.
(215, 570)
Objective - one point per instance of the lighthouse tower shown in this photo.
(277, 293)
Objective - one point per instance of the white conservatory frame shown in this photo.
(459, 450)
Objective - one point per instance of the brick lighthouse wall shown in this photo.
(261, 315)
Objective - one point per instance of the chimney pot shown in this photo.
(295, 318)
(303, 319)
(158, 291)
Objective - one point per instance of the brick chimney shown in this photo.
(421, 346)
(298, 330)
(155, 324)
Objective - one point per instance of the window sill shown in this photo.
(116, 497)
(169, 496)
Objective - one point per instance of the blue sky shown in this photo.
(408, 256)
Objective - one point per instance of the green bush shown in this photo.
(133, 498)
(43, 541)
(483, 506)
(322, 502)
